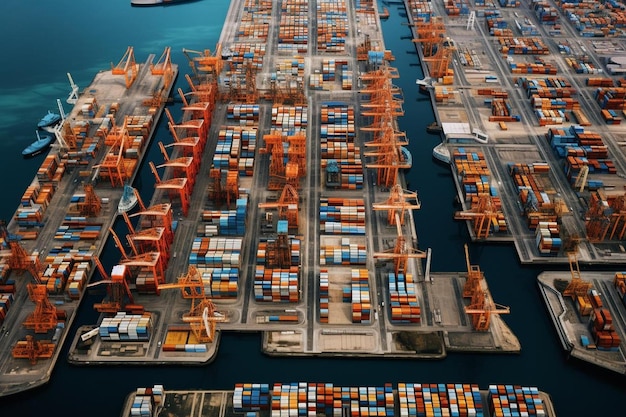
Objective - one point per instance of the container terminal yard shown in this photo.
(306, 398)
(309, 286)
(529, 100)
(314, 246)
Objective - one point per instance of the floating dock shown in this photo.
(301, 398)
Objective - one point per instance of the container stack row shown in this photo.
(342, 216)
(601, 324)
(332, 30)
(424, 400)
(293, 29)
(514, 400)
(324, 296)
(548, 238)
(126, 327)
(358, 294)
(146, 400)
(248, 397)
(346, 254)
(222, 283)
(277, 284)
(216, 251)
(77, 229)
(536, 203)
(338, 147)
(6, 299)
(226, 222)
(620, 285)
(403, 300)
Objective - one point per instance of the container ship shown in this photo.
(326, 399)
(157, 2)
(51, 246)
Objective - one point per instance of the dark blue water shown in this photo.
(44, 40)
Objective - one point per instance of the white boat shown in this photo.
(442, 153)
(128, 200)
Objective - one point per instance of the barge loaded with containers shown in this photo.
(268, 181)
(301, 399)
(51, 246)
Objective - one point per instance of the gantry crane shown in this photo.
(577, 286)
(154, 261)
(32, 349)
(484, 213)
(126, 67)
(430, 34)
(474, 277)
(280, 172)
(402, 252)
(481, 306)
(398, 203)
(440, 61)
(17, 258)
(173, 185)
(202, 317)
(119, 296)
(598, 217)
(45, 316)
(205, 63)
(287, 205)
(224, 188)
(92, 204)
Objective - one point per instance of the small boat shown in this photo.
(384, 14)
(49, 119)
(442, 153)
(41, 144)
(407, 157)
(128, 200)
(434, 128)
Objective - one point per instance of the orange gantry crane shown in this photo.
(577, 287)
(173, 186)
(430, 34)
(224, 187)
(481, 307)
(92, 204)
(282, 173)
(439, 63)
(152, 263)
(32, 349)
(127, 67)
(484, 213)
(287, 206)
(205, 63)
(402, 252)
(17, 258)
(202, 316)
(119, 296)
(45, 316)
(199, 108)
(183, 166)
(163, 67)
(398, 203)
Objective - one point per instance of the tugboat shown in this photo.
(49, 120)
(41, 144)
